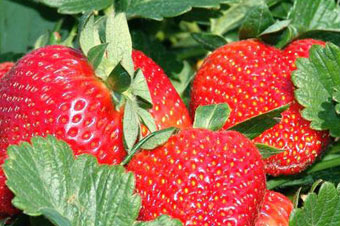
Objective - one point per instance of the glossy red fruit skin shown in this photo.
(5, 197)
(275, 210)
(168, 108)
(54, 90)
(254, 78)
(202, 178)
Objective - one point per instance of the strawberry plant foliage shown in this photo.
(47, 180)
(158, 9)
(322, 209)
(316, 79)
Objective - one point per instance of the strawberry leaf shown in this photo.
(77, 6)
(316, 78)
(119, 79)
(140, 88)
(318, 19)
(322, 209)
(233, 16)
(47, 180)
(257, 20)
(211, 117)
(131, 124)
(119, 39)
(268, 151)
(150, 142)
(96, 54)
(89, 35)
(209, 41)
(147, 119)
(253, 127)
(158, 9)
(160, 221)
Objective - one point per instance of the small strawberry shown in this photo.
(54, 90)
(254, 78)
(202, 178)
(275, 211)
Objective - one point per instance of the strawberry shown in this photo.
(202, 178)
(254, 78)
(54, 90)
(5, 67)
(275, 210)
(5, 198)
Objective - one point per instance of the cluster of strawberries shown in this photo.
(199, 176)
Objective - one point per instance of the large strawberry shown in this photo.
(202, 178)
(254, 78)
(275, 210)
(54, 90)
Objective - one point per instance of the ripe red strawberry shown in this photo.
(202, 178)
(5, 198)
(54, 90)
(254, 78)
(275, 211)
(5, 67)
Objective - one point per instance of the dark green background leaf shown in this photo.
(158, 9)
(257, 20)
(22, 22)
(209, 41)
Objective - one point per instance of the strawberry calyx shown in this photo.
(150, 142)
(106, 41)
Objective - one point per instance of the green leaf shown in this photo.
(211, 117)
(315, 79)
(77, 6)
(147, 119)
(89, 35)
(130, 124)
(22, 23)
(158, 9)
(140, 88)
(336, 97)
(10, 56)
(313, 17)
(209, 41)
(157, 51)
(118, 36)
(322, 209)
(267, 151)
(233, 16)
(160, 221)
(55, 217)
(96, 54)
(255, 126)
(317, 14)
(119, 79)
(277, 26)
(150, 142)
(258, 19)
(158, 138)
(42, 177)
